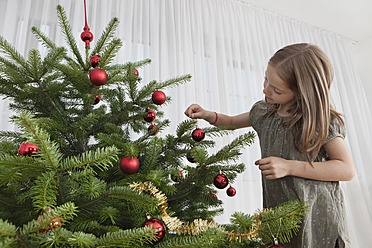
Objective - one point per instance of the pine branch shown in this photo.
(45, 191)
(107, 34)
(13, 72)
(67, 31)
(34, 63)
(231, 151)
(136, 237)
(175, 81)
(49, 43)
(9, 50)
(101, 159)
(110, 51)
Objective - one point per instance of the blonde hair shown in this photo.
(309, 74)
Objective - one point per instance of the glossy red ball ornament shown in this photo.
(159, 226)
(129, 165)
(94, 60)
(153, 127)
(98, 77)
(221, 181)
(135, 72)
(27, 149)
(198, 135)
(158, 97)
(97, 99)
(231, 191)
(149, 116)
(87, 37)
(276, 246)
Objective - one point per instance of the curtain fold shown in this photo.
(225, 46)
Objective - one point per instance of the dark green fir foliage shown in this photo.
(72, 193)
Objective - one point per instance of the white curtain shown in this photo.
(224, 45)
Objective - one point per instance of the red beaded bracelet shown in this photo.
(216, 119)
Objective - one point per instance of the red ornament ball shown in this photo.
(27, 149)
(159, 226)
(149, 116)
(52, 225)
(158, 97)
(135, 72)
(98, 77)
(87, 37)
(221, 181)
(231, 191)
(276, 246)
(97, 99)
(177, 177)
(129, 165)
(153, 127)
(198, 135)
(190, 158)
(214, 196)
(94, 60)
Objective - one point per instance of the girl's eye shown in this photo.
(276, 91)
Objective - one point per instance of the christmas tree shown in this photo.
(73, 175)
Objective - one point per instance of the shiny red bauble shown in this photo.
(153, 127)
(135, 72)
(158, 97)
(149, 116)
(27, 149)
(275, 246)
(221, 181)
(97, 99)
(94, 60)
(98, 77)
(159, 226)
(198, 135)
(87, 37)
(129, 165)
(231, 191)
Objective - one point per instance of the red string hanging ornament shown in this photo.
(86, 36)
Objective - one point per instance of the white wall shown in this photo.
(364, 64)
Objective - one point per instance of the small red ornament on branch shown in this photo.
(149, 116)
(221, 181)
(231, 191)
(158, 225)
(158, 97)
(198, 135)
(94, 60)
(129, 165)
(153, 127)
(27, 149)
(98, 77)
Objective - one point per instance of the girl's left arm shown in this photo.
(339, 167)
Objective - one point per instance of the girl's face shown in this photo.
(276, 90)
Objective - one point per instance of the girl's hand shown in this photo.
(273, 167)
(194, 111)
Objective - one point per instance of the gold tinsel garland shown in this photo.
(176, 225)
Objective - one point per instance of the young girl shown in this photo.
(303, 151)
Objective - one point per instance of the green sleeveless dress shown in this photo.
(324, 223)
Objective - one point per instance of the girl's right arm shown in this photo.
(194, 111)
